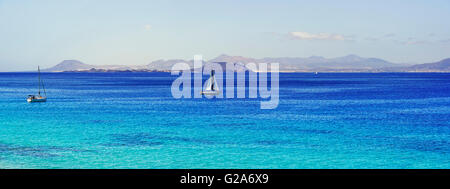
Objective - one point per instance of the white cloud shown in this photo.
(148, 27)
(319, 36)
(379, 38)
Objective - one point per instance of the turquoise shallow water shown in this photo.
(130, 120)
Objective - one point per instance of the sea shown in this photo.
(131, 120)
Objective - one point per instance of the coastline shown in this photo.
(168, 71)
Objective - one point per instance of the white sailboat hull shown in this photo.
(210, 92)
(37, 99)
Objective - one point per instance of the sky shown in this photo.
(136, 32)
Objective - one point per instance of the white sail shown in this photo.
(215, 86)
(211, 87)
(208, 85)
(211, 84)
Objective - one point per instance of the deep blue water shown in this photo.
(131, 120)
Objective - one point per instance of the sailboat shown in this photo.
(38, 98)
(211, 86)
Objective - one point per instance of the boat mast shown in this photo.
(212, 80)
(39, 80)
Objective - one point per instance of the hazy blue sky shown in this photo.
(46, 32)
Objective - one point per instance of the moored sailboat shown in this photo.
(38, 98)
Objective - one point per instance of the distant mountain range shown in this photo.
(75, 65)
(350, 63)
(441, 66)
